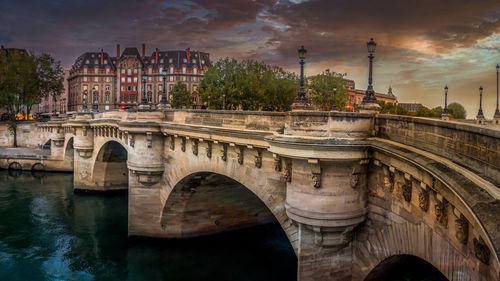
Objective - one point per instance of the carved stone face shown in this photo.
(277, 164)
(209, 152)
(316, 177)
(423, 200)
(195, 148)
(406, 191)
(441, 214)
(258, 162)
(355, 177)
(462, 227)
(481, 251)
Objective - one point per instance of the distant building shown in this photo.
(101, 82)
(50, 104)
(411, 107)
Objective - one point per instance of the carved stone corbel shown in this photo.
(462, 229)
(149, 139)
(389, 175)
(481, 251)
(183, 144)
(423, 200)
(131, 140)
(441, 209)
(258, 159)
(287, 171)
(406, 188)
(195, 147)
(240, 155)
(172, 142)
(355, 177)
(223, 152)
(277, 163)
(315, 172)
(209, 149)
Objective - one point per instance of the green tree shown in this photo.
(437, 111)
(424, 111)
(24, 80)
(457, 110)
(322, 91)
(392, 108)
(180, 96)
(248, 84)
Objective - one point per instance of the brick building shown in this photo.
(99, 81)
(356, 97)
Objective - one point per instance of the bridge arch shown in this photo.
(405, 267)
(263, 189)
(109, 171)
(69, 150)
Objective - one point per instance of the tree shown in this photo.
(180, 96)
(322, 91)
(392, 108)
(248, 84)
(457, 110)
(24, 80)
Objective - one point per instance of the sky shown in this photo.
(422, 45)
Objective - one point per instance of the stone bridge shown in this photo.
(352, 191)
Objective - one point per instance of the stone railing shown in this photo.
(472, 146)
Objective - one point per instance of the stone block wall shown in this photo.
(472, 146)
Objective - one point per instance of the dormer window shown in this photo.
(170, 60)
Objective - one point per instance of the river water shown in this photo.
(49, 233)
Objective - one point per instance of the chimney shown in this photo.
(102, 56)
(143, 50)
(156, 56)
(117, 51)
(188, 53)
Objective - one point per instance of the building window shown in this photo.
(123, 98)
(129, 71)
(128, 98)
(161, 60)
(105, 61)
(149, 78)
(160, 87)
(107, 87)
(96, 87)
(195, 87)
(107, 98)
(184, 70)
(135, 71)
(195, 70)
(123, 88)
(123, 79)
(135, 88)
(135, 79)
(202, 61)
(129, 80)
(171, 78)
(161, 70)
(128, 88)
(184, 60)
(170, 87)
(123, 71)
(135, 98)
(84, 70)
(84, 79)
(194, 61)
(183, 78)
(87, 62)
(149, 87)
(108, 79)
(150, 70)
(149, 98)
(96, 79)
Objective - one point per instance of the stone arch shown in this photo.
(15, 166)
(69, 150)
(206, 203)
(109, 171)
(435, 212)
(399, 266)
(38, 167)
(265, 183)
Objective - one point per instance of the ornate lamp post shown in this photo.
(334, 105)
(85, 93)
(164, 101)
(369, 102)
(496, 117)
(445, 115)
(480, 115)
(301, 102)
(144, 101)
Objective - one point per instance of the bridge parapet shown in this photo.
(472, 146)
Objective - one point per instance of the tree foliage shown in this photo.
(249, 85)
(387, 107)
(457, 110)
(180, 96)
(24, 80)
(322, 91)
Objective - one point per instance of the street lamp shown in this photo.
(144, 101)
(94, 105)
(496, 117)
(164, 101)
(480, 114)
(334, 105)
(85, 99)
(445, 111)
(301, 102)
(369, 100)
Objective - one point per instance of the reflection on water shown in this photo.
(49, 233)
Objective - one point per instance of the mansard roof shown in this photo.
(165, 59)
(93, 59)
